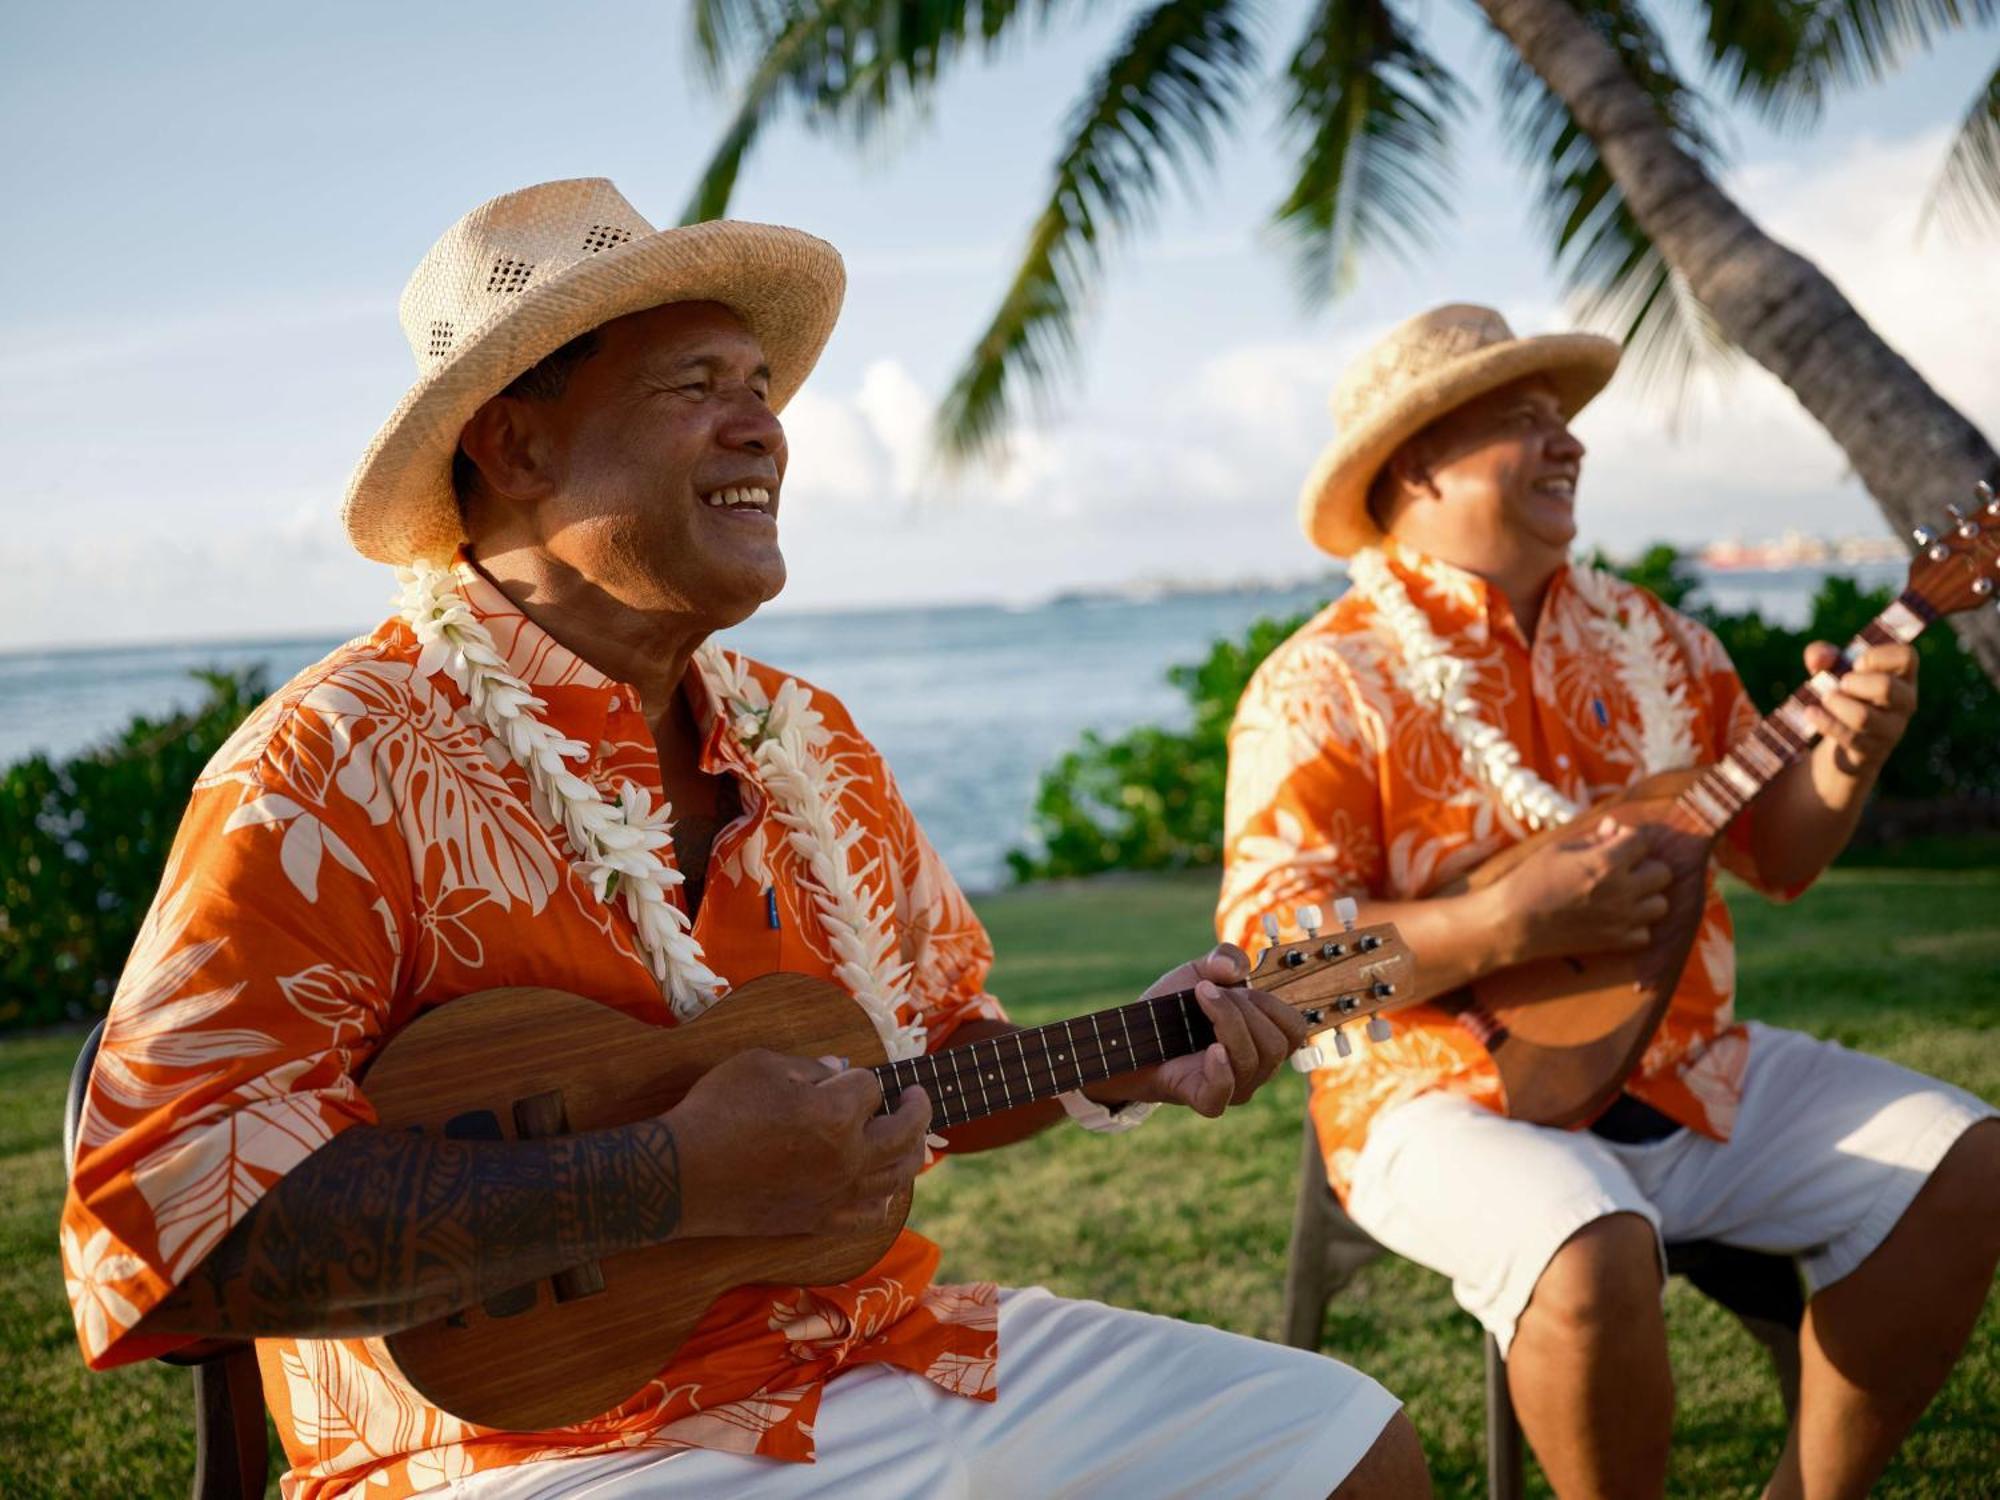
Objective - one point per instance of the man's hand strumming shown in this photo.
(1597, 893)
(774, 1145)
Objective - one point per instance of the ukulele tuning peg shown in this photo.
(1378, 1029)
(1345, 911)
(1923, 536)
(1957, 515)
(1937, 552)
(1341, 1045)
(1310, 1057)
(1983, 587)
(1308, 919)
(1270, 925)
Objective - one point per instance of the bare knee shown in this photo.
(1604, 1277)
(1393, 1469)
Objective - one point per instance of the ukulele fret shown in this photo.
(1029, 1093)
(1778, 739)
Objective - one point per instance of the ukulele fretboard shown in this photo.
(981, 1078)
(1786, 733)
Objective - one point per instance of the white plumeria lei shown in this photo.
(616, 844)
(1431, 674)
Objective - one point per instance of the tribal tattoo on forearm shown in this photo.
(380, 1230)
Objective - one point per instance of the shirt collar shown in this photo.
(530, 652)
(580, 697)
(1457, 599)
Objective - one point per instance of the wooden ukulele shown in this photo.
(1565, 1033)
(529, 1063)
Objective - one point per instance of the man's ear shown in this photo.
(508, 441)
(1410, 468)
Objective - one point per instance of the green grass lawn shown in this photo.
(1187, 1217)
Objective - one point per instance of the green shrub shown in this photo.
(1152, 799)
(82, 845)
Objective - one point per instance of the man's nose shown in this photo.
(751, 425)
(1565, 444)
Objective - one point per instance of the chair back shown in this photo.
(79, 1085)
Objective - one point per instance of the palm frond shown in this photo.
(793, 64)
(724, 30)
(844, 63)
(1157, 104)
(1787, 56)
(1370, 111)
(1605, 260)
(1967, 192)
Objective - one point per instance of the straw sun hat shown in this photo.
(522, 275)
(1424, 368)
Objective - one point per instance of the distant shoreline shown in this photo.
(1137, 593)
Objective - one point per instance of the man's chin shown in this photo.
(748, 590)
(1551, 525)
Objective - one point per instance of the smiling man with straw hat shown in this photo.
(1471, 687)
(543, 772)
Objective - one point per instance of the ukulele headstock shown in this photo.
(1958, 567)
(1334, 978)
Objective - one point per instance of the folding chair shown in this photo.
(1328, 1248)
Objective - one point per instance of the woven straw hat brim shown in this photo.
(786, 286)
(1333, 505)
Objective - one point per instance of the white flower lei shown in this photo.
(1431, 674)
(616, 844)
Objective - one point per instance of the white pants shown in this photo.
(1828, 1149)
(1094, 1400)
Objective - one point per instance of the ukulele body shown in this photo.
(1565, 1033)
(520, 1063)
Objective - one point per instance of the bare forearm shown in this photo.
(1806, 816)
(380, 1230)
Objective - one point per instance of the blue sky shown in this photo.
(213, 209)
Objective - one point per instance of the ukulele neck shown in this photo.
(981, 1078)
(1724, 789)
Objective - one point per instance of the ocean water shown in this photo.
(969, 705)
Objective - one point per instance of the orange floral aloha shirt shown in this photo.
(359, 852)
(1341, 783)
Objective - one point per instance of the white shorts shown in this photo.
(1094, 1400)
(1828, 1149)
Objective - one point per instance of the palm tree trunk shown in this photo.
(1910, 447)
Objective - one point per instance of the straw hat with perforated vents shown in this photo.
(1424, 368)
(522, 275)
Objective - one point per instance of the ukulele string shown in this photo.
(1022, 1067)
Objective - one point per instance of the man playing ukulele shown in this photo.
(1469, 688)
(584, 483)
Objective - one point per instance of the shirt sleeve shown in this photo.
(264, 967)
(1302, 819)
(1730, 716)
